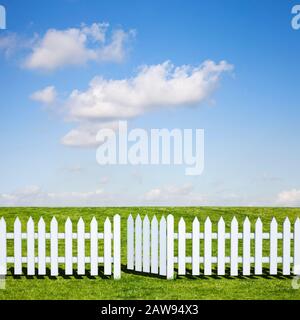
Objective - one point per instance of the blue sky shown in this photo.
(250, 117)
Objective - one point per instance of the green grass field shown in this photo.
(139, 286)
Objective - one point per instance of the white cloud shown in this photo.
(186, 195)
(35, 196)
(155, 86)
(162, 85)
(169, 195)
(46, 96)
(182, 195)
(289, 198)
(11, 43)
(38, 197)
(77, 46)
(29, 190)
(80, 137)
(85, 135)
(167, 192)
(8, 44)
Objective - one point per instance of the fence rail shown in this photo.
(111, 256)
(151, 244)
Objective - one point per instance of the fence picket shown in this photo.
(146, 244)
(41, 247)
(138, 244)
(30, 247)
(246, 247)
(107, 247)
(170, 247)
(130, 243)
(207, 246)
(68, 247)
(234, 250)
(154, 245)
(80, 247)
(3, 246)
(117, 247)
(258, 246)
(94, 247)
(286, 255)
(196, 248)
(296, 269)
(163, 246)
(54, 247)
(221, 247)
(273, 247)
(181, 247)
(17, 247)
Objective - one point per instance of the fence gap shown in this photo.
(138, 244)
(130, 243)
(68, 247)
(246, 247)
(3, 246)
(181, 247)
(117, 247)
(258, 246)
(146, 244)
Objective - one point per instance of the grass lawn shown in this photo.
(134, 286)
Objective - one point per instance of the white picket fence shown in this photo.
(150, 247)
(54, 238)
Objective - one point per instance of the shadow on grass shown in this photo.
(214, 275)
(140, 273)
(189, 275)
(61, 274)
